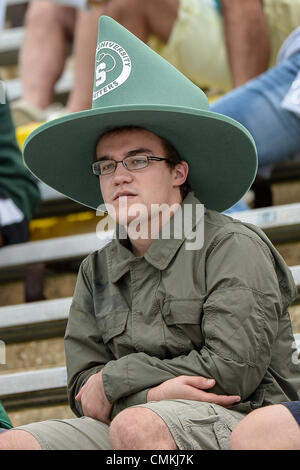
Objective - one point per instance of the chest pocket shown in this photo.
(113, 331)
(183, 318)
(112, 324)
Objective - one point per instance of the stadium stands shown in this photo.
(32, 370)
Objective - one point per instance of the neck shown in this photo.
(143, 235)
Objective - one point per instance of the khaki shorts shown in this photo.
(197, 45)
(193, 425)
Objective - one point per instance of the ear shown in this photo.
(180, 173)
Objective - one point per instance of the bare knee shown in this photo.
(268, 428)
(17, 439)
(140, 428)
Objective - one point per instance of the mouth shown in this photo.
(123, 194)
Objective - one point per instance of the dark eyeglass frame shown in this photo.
(97, 171)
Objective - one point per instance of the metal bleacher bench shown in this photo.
(281, 223)
(10, 43)
(47, 386)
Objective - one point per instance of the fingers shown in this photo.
(78, 396)
(224, 400)
(199, 382)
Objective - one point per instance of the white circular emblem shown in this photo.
(113, 67)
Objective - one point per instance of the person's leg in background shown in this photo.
(257, 105)
(49, 30)
(155, 17)
(84, 49)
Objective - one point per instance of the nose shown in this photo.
(122, 175)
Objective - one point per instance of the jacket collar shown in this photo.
(163, 249)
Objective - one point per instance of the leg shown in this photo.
(268, 428)
(140, 428)
(54, 434)
(142, 18)
(173, 424)
(257, 105)
(48, 31)
(18, 440)
(85, 40)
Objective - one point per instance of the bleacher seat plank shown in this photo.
(296, 274)
(280, 223)
(34, 320)
(297, 341)
(10, 43)
(15, 2)
(52, 250)
(36, 387)
(283, 221)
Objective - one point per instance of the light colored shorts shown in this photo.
(193, 425)
(197, 45)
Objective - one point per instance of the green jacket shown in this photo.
(4, 419)
(16, 182)
(220, 311)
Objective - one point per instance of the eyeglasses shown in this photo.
(131, 163)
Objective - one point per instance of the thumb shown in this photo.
(200, 382)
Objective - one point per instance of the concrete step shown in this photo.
(285, 192)
(56, 286)
(21, 416)
(32, 355)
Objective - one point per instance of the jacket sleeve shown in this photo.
(86, 353)
(240, 324)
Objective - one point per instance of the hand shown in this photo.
(190, 388)
(93, 399)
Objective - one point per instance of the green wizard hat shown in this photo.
(134, 86)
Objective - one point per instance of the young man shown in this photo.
(178, 327)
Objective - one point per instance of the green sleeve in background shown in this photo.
(4, 419)
(16, 181)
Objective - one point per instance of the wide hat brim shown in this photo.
(220, 152)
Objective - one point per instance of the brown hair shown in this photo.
(171, 153)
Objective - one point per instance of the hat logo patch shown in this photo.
(112, 68)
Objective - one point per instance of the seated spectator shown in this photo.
(213, 42)
(269, 107)
(274, 427)
(19, 192)
(188, 33)
(50, 31)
